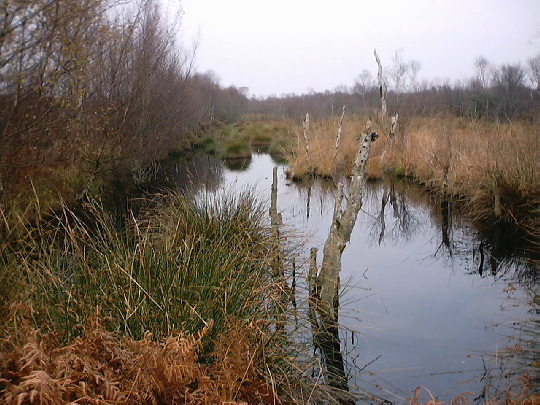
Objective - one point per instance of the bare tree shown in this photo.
(509, 83)
(534, 71)
(98, 85)
(414, 68)
(363, 83)
(403, 74)
(398, 72)
(483, 69)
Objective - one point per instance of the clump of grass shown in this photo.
(208, 144)
(180, 303)
(237, 141)
(236, 148)
(179, 267)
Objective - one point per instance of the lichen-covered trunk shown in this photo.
(343, 222)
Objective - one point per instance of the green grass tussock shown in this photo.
(181, 265)
(189, 300)
(240, 140)
(236, 148)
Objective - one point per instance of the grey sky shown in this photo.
(293, 46)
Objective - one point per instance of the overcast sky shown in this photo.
(295, 46)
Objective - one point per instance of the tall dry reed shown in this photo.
(320, 158)
(490, 167)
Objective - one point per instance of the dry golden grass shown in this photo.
(491, 167)
(323, 160)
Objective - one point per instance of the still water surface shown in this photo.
(427, 302)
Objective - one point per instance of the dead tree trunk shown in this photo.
(382, 86)
(342, 225)
(382, 93)
(394, 125)
(306, 129)
(278, 264)
(338, 136)
(275, 216)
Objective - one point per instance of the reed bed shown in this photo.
(490, 167)
(314, 154)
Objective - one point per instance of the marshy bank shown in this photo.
(179, 305)
(410, 263)
(487, 168)
(414, 261)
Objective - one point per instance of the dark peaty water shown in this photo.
(428, 301)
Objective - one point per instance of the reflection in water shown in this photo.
(238, 164)
(191, 174)
(497, 249)
(461, 248)
(446, 224)
(325, 331)
(403, 221)
(434, 300)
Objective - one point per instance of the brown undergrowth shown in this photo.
(100, 367)
(179, 305)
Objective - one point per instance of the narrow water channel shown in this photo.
(427, 300)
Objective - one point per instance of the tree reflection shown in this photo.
(403, 223)
(199, 171)
(497, 250)
(325, 329)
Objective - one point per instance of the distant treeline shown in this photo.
(495, 93)
(505, 96)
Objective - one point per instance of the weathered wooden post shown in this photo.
(306, 129)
